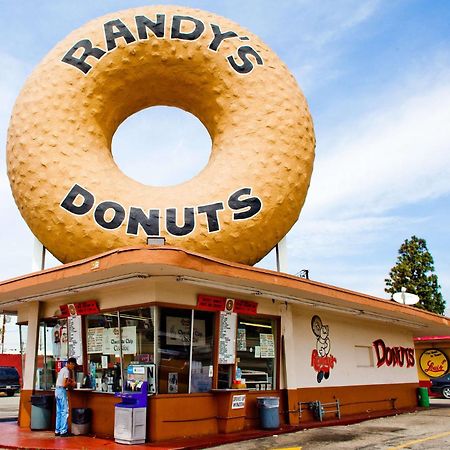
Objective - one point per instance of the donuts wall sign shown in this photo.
(78, 202)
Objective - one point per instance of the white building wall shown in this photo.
(352, 367)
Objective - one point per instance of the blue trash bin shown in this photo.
(41, 411)
(269, 412)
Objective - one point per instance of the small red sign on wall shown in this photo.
(79, 309)
(245, 307)
(213, 303)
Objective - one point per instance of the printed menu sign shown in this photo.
(241, 340)
(111, 342)
(267, 345)
(75, 336)
(179, 331)
(95, 340)
(238, 402)
(227, 338)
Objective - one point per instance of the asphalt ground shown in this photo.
(9, 407)
(426, 429)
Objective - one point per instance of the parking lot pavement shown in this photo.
(9, 407)
(426, 429)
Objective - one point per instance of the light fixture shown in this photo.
(157, 241)
(259, 325)
(296, 300)
(79, 288)
(217, 285)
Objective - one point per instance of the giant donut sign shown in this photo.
(75, 198)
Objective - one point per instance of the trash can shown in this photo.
(269, 412)
(423, 398)
(81, 421)
(41, 412)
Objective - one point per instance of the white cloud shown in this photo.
(396, 154)
(367, 169)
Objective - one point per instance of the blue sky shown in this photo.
(376, 75)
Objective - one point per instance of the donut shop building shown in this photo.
(210, 337)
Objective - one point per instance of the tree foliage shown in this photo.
(414, 270)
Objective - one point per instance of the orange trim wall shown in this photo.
(184, 415)
(354, 400)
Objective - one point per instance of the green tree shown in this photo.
(414, 270)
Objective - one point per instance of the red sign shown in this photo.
(212, 303)
(79, 309)
(245, 307)
(60, 364)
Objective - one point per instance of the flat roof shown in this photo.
(127, 265)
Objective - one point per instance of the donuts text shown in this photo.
(110, 215)
(116, 29)
(393, 356)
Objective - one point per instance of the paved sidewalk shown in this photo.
(13, 437)
(426, 429)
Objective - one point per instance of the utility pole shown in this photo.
(3, 333)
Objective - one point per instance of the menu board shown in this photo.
(267, 345)
(75, 336)
(227, 338)
(95, 340)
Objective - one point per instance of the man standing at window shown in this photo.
(64, 382)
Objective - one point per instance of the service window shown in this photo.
(138, 343)
(185, 364)
(103, 351)
(256, 352)
(174, 350)
(202, 351)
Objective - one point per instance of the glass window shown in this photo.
(51, 353)
(174, 350)
(202, 352)
(138, 343)
(256, 351)
(103, 351)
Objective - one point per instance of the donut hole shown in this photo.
(161, 146)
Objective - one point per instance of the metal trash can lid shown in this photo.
(268, 402)
(42, 400)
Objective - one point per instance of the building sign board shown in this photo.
(393, 356)
(80, 309)
(434, 363)
(214, 303)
